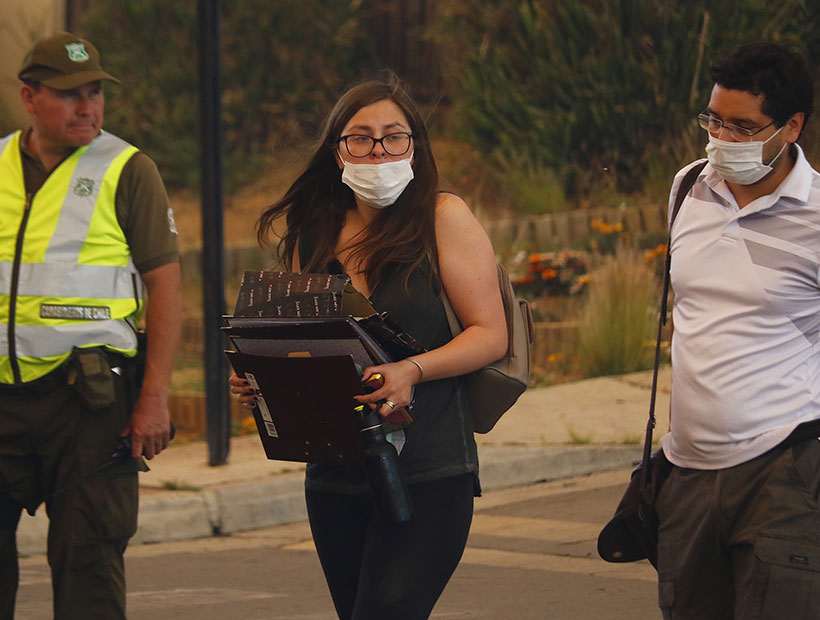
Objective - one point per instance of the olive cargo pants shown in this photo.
(742, 542)
(50, 437)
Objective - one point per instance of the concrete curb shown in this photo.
(182, 515)
(503, 466)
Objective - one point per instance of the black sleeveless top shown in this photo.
(440, 441)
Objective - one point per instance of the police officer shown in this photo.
(85, 226)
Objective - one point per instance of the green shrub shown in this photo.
(283, 65)
(151, 47)
(619, 317)
(534, 189)
(599, 90)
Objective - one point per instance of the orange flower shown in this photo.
(580, 282)
(248, 425)
(604, 228)
(549, 274)
(657, 251)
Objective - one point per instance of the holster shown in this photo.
(91, 375)
(92, 372)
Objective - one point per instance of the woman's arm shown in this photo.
(468, 271)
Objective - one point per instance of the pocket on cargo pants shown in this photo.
(792, 589)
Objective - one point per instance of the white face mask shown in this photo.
(740, 162)
(378, 185)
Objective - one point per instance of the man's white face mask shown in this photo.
(740, 162)
(378, 185)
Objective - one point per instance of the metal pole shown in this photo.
(216, 387)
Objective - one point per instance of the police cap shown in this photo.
(63, 61)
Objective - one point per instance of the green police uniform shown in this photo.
(73, 243)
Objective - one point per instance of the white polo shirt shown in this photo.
(746, 344)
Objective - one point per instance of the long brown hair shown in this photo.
(399, 237)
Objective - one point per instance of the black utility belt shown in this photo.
(59, 377)
(55, 380)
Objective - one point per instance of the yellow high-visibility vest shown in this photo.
(66, 275)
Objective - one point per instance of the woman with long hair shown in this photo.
(368, 205)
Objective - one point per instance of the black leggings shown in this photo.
(374, 572)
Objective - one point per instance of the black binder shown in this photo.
(305, 410)
(298, 343)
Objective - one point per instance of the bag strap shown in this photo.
(685, 185)
(452, 319)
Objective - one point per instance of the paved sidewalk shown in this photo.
(552, 432)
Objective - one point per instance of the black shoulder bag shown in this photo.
(632, 534)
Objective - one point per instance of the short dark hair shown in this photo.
(778, 73)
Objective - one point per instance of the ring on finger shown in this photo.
(390, 404)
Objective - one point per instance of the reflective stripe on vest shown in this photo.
(77, 284)
(5, 141)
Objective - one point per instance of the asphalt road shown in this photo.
(531, 556)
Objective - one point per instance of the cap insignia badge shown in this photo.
(77, 52)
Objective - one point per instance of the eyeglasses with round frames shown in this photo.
(741, 134)
(393, 144)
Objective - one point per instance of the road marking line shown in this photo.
(160, 599)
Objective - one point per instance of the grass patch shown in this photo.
(619, 316)
(578, 439)
(176, 485)
(534, 189)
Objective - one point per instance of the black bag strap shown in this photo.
(685, 185)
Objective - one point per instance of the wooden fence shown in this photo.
(572, 227)
(540, 232)
(187, 410)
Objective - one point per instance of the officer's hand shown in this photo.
(150, 426)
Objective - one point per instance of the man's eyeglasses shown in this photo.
(393, 144)
(741, 134)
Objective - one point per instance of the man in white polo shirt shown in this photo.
(739, 529)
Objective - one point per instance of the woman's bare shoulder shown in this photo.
(451, 210)
(446, 201)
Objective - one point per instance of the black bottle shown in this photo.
(381, 466)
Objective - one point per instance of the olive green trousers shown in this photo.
(47, 442)
(742, 542)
